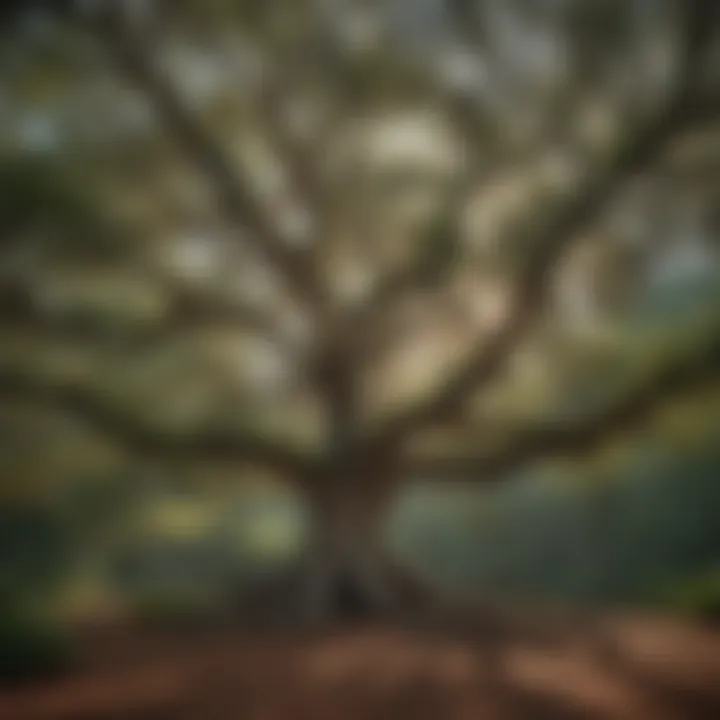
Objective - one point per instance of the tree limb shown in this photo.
(298, 159)
(144, 439)
(568, 438)
(236, 198)
(633, 153)
(188, 310)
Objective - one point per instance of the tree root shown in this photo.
(344, 595)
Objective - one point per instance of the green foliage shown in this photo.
(31, 646)
(698, 599)
(676, 304)
(46, 193)
(37, 551)
(169, 607)
(615, 540)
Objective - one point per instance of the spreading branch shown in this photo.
(236, 198)
(145, 439)
(188, 310)
(673, 378)
(425, 271)
(633, 153)
(297, 157)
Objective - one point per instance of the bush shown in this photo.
(165, 608)
(698, 599)
(31, 647)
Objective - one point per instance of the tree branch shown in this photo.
(236, 198)
(146, 440)
(298, 159)
(633, 153)
(188, 310)
(674, 378)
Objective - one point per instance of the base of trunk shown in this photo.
(308, 595)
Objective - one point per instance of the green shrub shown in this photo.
(31, 647)
(165, 608)
(698, 599)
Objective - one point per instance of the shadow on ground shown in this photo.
(629, 668)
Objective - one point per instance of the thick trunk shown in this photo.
(347, 566)
(347, 573)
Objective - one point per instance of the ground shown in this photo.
(618, 668)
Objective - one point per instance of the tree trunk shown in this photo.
(347, 568)
(346, 573)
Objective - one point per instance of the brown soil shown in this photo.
(630, 669)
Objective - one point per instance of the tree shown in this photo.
(434, 213)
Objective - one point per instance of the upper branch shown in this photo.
(297, 156)
(235, 197)
(567, 438)
(145, 440)
(633, 152)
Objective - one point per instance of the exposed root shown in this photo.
(299, 596)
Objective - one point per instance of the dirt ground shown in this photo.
(634, 669)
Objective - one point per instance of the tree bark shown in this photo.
(347, 566)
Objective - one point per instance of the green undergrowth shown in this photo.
(697, 599)
(32, 646)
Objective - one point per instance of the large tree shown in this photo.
(407, 213)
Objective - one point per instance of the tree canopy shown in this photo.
(358, 244)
